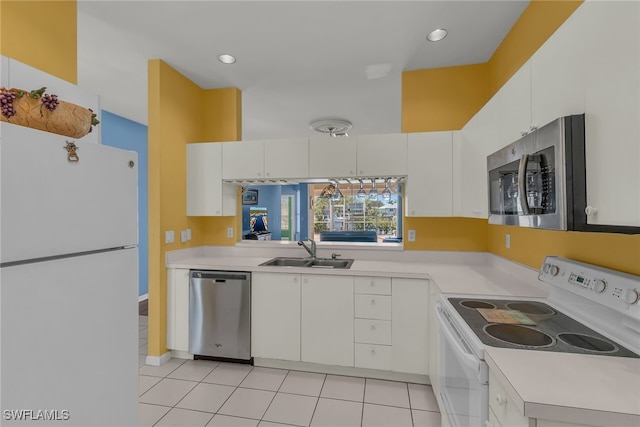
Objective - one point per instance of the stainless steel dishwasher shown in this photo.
(220, 314)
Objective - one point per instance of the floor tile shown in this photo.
(247, 403)
(346, 388)
(385, 416)
(264, 379)
(389, 393)
(272, 424)
(306, 383)
(143, 349)
(227, 421)
(142, 341)
(421, 397)
(228, 374)
(291, 409)
(162, 370)
(337, 413)
(426, 419)
(145, 383)
(193, 370)
(167, 392)
(184, 418)
(206, 397)
(143, 320)
(150, 414)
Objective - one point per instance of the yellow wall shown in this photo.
(446, 234)
(42, 34)
(180, 112)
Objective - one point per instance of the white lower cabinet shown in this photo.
(275, 316)
(178, 309)
(327, 320)
(410, 326)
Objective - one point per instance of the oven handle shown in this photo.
(469, 359)
(522, 184)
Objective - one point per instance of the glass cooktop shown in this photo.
(532, 325)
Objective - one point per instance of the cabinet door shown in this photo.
(471, 165)
(612, 107)
(286, 158)
(243, 160)
(410, 326)
(327, 320)
(207, 195)
(332, 157)
(382, 155)
(275, 316)
(178, 309)
(429, 188)
(514, 103)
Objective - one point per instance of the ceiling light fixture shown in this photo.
(437, 35)
(226, 58)
(334, 127)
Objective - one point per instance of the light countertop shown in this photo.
(576, 388)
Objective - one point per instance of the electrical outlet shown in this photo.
(412, 235)
(230, 232)
(188, 234)
(169, 236)
(507, 241)
(183, 236)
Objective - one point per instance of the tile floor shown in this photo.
(204, 393)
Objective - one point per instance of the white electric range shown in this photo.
(590, 310)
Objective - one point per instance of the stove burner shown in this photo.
(519, 335)
(587, 342)
(476, 304)
(531, 308)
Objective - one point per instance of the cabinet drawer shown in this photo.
(503, 406)
(373, 331)
(373, 307)
(373, 356)
(373, 285)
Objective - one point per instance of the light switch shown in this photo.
(188, 234)
(230, 232)
(183, 236)
(169, 236)
(412, 235)
(507, 241)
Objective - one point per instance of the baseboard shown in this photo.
(342, 370)
(143, 297)
(158, 360)
(179, 354)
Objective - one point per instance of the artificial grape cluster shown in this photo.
(50, 101)
(6, 102)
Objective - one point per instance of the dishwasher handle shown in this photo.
(219, 276)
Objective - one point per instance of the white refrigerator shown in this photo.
(68, 282)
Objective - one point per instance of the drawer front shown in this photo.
(503, 406)
(373, 285)
(369, 331)
(373, 356)
(373, 307)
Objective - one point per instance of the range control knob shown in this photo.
(631, 296)
(599, 286)
(553, 270)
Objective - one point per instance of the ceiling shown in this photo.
(297, 61)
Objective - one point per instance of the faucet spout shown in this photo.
(310, 250)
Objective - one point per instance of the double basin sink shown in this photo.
(309, 262)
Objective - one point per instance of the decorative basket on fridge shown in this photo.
(39, 110)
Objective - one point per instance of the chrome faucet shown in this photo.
(311, 250)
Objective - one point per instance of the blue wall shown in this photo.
(124, 133)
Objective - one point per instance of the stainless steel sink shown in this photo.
(309, 262)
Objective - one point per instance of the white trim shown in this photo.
(179, 354)
(158, 360)
(143, 297)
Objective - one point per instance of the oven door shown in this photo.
(463, 377)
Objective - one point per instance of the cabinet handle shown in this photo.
(350, 172)
(372, 283)
(268, 174)
(373, 351)
(501, 400)
(590, 210)
(361, 172)
(259, 173)
(373, 327)
(305, 281)
(373, 302)
(295, 280)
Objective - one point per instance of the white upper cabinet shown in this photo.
(514, 106)
(243, 160)
(429, 188)
(382, 155)
(332, 157)
(612, 107)
(470, 171)
(286, 158)
(207, 195)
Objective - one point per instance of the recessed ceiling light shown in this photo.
(226, 59)
(437, 35)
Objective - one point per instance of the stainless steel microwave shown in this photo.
(531, 181)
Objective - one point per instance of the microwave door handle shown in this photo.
(522, 184)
